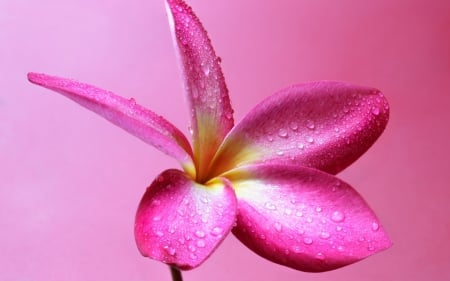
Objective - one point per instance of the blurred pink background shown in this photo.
(70, 181)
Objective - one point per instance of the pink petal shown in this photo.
(211, 111)
(128, 115)
(304, 218)
(180, 222)
(325, 125)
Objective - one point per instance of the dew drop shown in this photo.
(270, 206)
(205, 68)
(293, 125)
(171, 251)
(307, 240)
(318, 209)
(201, 243)
(338, 228)
(375, 226)
(376, 111)
(288, 212)
(200, 234)
(193, 256)
(277, 226)
(301, 145)
(320, 256)
(229, 115)
(299, 214)
(216, 231)
(325, 235)
(310, 124)
(156, 218)
(280, 153)
(340, 248)
(337, 216)
(310, 139)
(192, 248)
(282, 133)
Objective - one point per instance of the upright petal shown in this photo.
(180, 222)
(304, 218)
(324, 125)
(125, 113)
(211, 111)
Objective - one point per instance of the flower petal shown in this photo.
(211, 111)
(325, 125)
(180, 222)
(128, 115)
(304, 218)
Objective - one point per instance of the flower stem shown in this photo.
(176, 274)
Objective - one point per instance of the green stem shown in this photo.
(176, 274)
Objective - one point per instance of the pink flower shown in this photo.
(269, 179)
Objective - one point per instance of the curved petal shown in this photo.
(304, 218)
(211, 111)
(325, 125)
(128, 115)
(180, 222)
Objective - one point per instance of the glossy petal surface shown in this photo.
(304, 218)
(324, 125)
(180, 222)
(125, 113)
(211, 112)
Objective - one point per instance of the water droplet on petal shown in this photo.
(307, 240)
(375, 226)
(288, 212)
(192, 248)
(375, 111)
(193, 256)
(310, 139)
(293, 125)
(171, 251)
(318, 209)
(156, 218)
(216, 231)
(205, 68)
(270, 206)
(277, 226)
(201, 243)
(200, 234)
(337, 216)
(320, 256)
(282, 133)
(325, 235)
(310, 124)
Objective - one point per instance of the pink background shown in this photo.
(70, 182)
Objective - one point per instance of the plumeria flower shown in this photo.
(269, 179)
